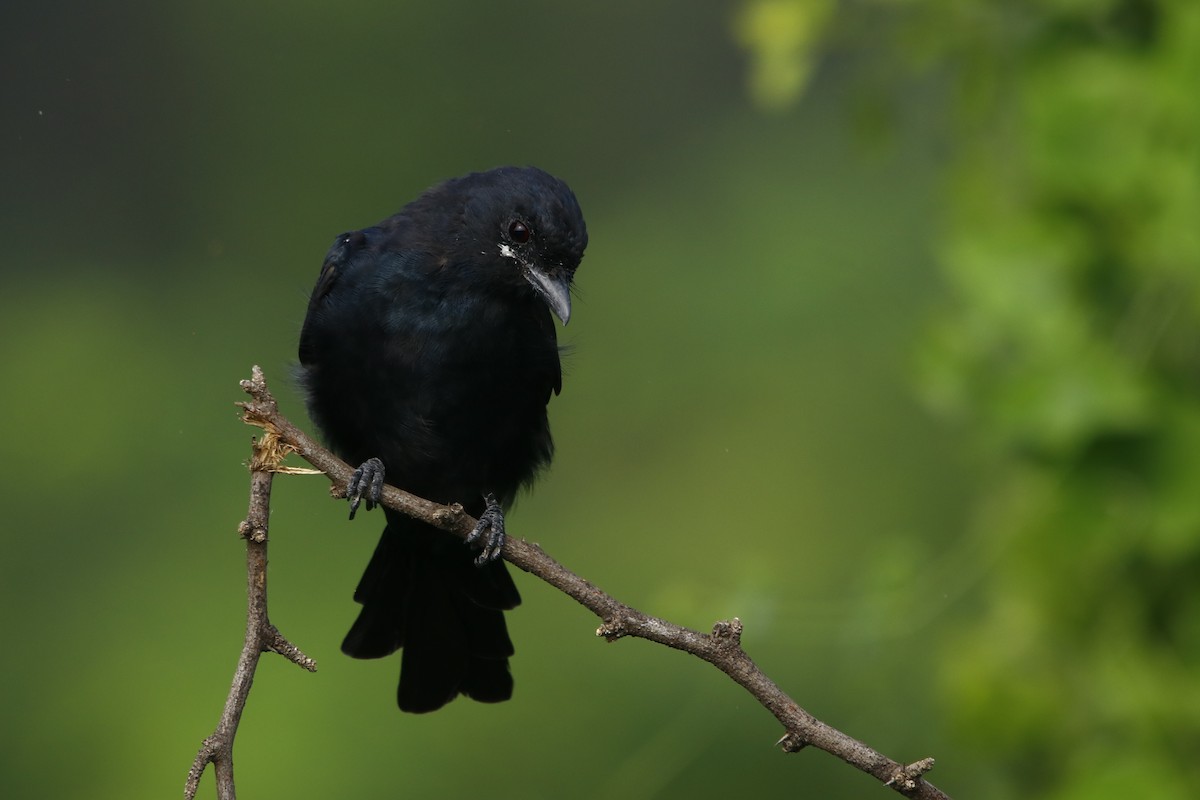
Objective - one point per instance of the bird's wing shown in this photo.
(336, 260)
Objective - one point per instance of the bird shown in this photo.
(428, 356)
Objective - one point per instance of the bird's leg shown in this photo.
(365, 484)
(488, 535)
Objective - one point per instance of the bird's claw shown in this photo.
(366, 484)
(488, 534)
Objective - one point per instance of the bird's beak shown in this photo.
(555, 289)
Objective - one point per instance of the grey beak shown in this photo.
(554, 289)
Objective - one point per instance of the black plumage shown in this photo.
(429, 354)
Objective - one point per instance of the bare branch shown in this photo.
(261, 635)
(721, 648)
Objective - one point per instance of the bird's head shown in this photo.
(533, 223)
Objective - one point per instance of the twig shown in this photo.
(721, 648)
(261, 635)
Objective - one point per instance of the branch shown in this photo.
(261, 635)
(721, 648)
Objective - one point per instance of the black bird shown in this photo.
(429, 354)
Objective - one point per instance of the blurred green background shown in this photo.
(887, 342)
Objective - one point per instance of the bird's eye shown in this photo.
(519, 232)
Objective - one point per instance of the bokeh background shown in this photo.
(887, 342)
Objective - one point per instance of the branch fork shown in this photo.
(261, 635)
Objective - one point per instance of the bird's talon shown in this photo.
(488, 534)
(366, 484)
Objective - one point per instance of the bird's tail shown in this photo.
(422, 592)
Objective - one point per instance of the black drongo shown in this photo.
(429, 355)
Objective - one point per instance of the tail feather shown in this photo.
(383, 592)
(421, 591)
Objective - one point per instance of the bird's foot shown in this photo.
(366, 484)
(488, 535)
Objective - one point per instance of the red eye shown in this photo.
(519, 232)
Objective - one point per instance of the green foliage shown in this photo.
(783, 39)
(1070, 353)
